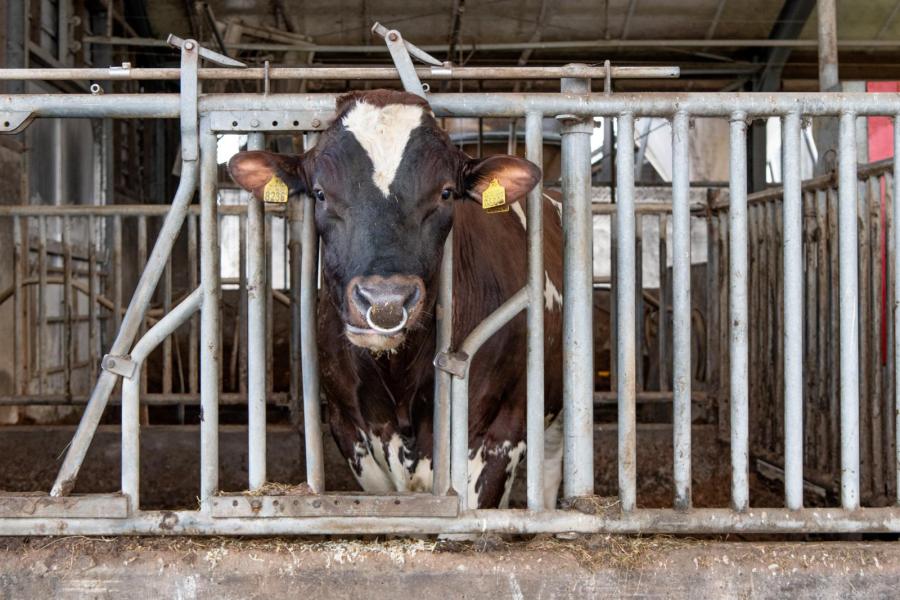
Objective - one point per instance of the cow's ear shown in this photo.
(516, 175)
(253, 169)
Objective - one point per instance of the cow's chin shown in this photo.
(374, 342)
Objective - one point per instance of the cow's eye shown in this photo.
(446, 194)
(320, 195)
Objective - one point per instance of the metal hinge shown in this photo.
(455, 363)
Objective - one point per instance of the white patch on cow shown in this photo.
(552, 297)
(368, 472)
(514, 455)
(520, 212)
(476, 465)
(383, 132)
(556, 204)
(553, 456)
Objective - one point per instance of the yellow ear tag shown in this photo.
(493, 199)
(275, 191)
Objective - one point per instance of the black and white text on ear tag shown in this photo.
(494, 197)
(275, 191)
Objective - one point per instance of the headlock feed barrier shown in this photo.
(447, 509)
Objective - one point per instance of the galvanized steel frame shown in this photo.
(61, 513)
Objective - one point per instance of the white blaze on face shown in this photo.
(383, 132)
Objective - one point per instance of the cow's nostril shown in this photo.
(384, 317)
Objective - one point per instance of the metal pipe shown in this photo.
(578, 342)
(459, 460)
(827, 44)
(643, 521)
(681, 310)
(534, 426)
(442, 380)
(626, 360)
(849, 311)
(131, 426)
(42, 306)
(256, 331)
(738, 317)
(309, 352)
(295, 224)
(792, 245)
(337, 73)
(210, 365)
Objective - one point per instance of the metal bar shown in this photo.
(167, 343)
(400, 55)
(681, 310)
(243, 318)
(20, 272)
(827, 44)
(466, 104)
(578, 375)
(194, 333)
(68, 337)
(849, 311)
(210, 366)
(93, 282)
(312, 413)
(737, 277)
(140, 266)
(662, 521)
(534, 151)
(257, 304)
(65, 479)
(662, 335)
(639, 299)
(295, 224)
(339, 73)
(152, 399)
(793, 312)
(442, 379)
(459, 460)
(42, 306)
(625, 292)
(118, 280)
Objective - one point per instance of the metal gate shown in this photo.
(447, 510)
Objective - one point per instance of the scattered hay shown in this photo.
(612, 551)
(592, 505)
(272, 488)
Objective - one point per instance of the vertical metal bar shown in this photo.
(825, 341)
(828, 48)
(793, 313)
(737, 253)
(194, 334)
(534, 151)
(625, 291)
(131, 440)
(578, 357)
(873, 216)
(865, 350)
(662, 335)
(834, 419)
(295, 223)
(681, 310)
(117, 272)
(270, 309)
(443, 380)
(210, 365)
(42, 305)
(312, 412)
(256, 331)
(167, 343)
(243, 318)
(20, 255)
(459, 443)
(68, 335)
(141, 265)
(639, 299)
(849, 307)
(93, 284)
(895, 222)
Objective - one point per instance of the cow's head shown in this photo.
(384, 177)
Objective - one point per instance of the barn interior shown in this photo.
(67, 276)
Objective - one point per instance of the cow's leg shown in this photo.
(553, 456)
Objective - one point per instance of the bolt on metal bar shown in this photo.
(256, 331)
(577, 226)
(65, 479)
(626, 317)
(459, 452)
(534, 426)
(738, 317)
(792, 246)
(849, 311)
(895, 222)
(405, 68)
(210, 365)
(681, 310)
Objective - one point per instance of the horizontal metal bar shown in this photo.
(339, 73)
(333, 505)
(124, 210)
(277, 399)
(596, 44)
(638, 521)
(15, 505)
(474, 104)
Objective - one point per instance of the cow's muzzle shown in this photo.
(381, 308)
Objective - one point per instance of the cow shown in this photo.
(388, 185)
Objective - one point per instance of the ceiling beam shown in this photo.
(715, 20)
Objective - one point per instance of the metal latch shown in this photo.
(455, 363)
(120, 365)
